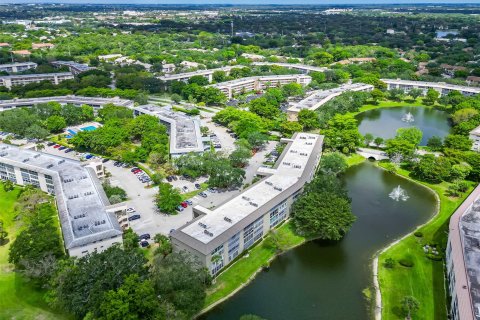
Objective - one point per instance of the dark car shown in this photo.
(197, 185)
(134, 169)
(134, 217)
(62, 148)
(68, 150)
(144, 243)
(179, 208)
(169, 179)
(145, 236)
(105, 160)
(203, 194)
(51, 144)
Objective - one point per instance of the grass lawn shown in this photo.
(425, 280)
(191, 194)
(354, 159)
(18, 299)
(242, 271)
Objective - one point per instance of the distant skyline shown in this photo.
(249, 2)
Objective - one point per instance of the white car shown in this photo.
(130, 210)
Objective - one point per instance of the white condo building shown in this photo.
(234, 226)
(231, 88)
(17, 67)
(89, 223)
(475, 137)
(184, 131)
(441, 87)
(463, 259)
(15, 80)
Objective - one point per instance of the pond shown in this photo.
(324, 280)
(384, 122)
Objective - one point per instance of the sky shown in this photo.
(239, 2)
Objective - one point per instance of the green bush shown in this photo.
(389, 263)
(406, 262)
(418, 234)
(434, 257)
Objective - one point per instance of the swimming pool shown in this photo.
(89, 128)
(72, 132)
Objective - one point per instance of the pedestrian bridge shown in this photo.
(372, 154)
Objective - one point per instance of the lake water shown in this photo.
(385, 122)
(324, 280)
(444, 33)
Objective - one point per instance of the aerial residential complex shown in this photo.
(15, 80)
(233, 227)
(73, 66)
(475, 137)
(94, 102)
(463, 259)
(320, 97)
(442, 88)
(184, 130)
(89, 223)
(17, 67)
(187, 75)
(230, 88)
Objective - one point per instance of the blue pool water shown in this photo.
(69, 136)
(72, 132)
(89, 128)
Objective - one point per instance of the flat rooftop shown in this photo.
(319, 97)
(440, 85)
(292, 170)
(297, 66)
(66, 99)
(38, 75)
(81, 200)
(186, 75)
(258, 78)
(476, 131)
(78, 66)
(17, 64)
(185, 134)
(470, 235)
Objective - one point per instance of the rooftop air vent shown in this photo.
(245, 198)
(278, 188)
(308, 143)
(37, 155)
(270, 183)
(26, 160)
(302, 137)
(227, 219)
(61, 161)
(253, 204)
(293, 151)
(303, 154)
(3, 154)
(311, 137)
(297, 166)
(203, 225)
(49, 166)
(208, 233)
(286, 163)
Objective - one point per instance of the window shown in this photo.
(252, 233)
(233, 246)
(217, 259)
(278, 214)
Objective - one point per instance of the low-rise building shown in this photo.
(450, 70)
(94, 102)
(184, 130)
(168, 68)
(21, 52)
(253, 57)
(475, 137)
(189, 64)
(17, 67)
(230, 88)
(73, 66)
(42, 46)
(16, 80)
(442, 87)
(463, 259)
(320, 97)
(89, 223)
(473, 81)
(218, 236)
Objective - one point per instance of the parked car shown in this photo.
(116, 163)
(137, 171)
(89, 156)
(211, 190)
(179, 208)
(184, 204)
(144, 243)
(134, 169)
(172, 230)
(189, 202)
(130, 210)
(57, 146)
(185, 188)
(105, 160)
(202, 194)
(134, 217)
(169, 179)
(197, 185)
(48, 144)
(174, 178)
(145, 236)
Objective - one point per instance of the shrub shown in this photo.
(418, 234)
(406, 262)
(389, 263)
(434, 257)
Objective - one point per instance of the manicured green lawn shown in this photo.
(18, 300)
(425, 280)
(354, 159)
(242, 271)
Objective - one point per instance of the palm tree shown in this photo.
(40, 146)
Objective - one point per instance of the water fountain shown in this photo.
(408, 117)
(398, 194)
